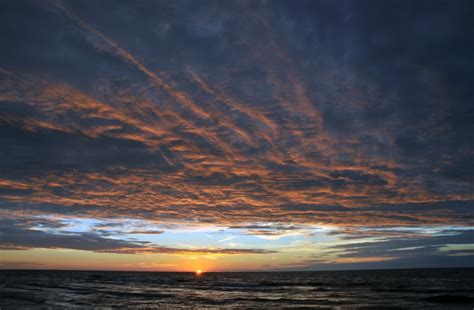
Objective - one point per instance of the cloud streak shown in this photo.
(15, 237)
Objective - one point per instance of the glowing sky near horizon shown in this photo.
(236, 135)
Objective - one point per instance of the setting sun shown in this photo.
(198, 272)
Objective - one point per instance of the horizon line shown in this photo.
(233, 271)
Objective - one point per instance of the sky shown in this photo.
(236, 135)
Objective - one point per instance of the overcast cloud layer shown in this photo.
(266, 117)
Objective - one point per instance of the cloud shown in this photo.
(203, 251)
(16, 235)
(302, 115)
(409, 248)
(275, 231)
(21, 265)
(144, 232)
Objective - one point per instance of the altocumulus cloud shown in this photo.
(355, 114)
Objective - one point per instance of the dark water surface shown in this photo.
(382, 289)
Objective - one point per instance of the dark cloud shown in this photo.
(16, 237)
(21, 265)
(145, 232)
(424, 251)
(353, 114)
(416, 248)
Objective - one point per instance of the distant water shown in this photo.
(383, 289)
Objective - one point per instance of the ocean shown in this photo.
(374, 289)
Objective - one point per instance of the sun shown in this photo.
(198, 272)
